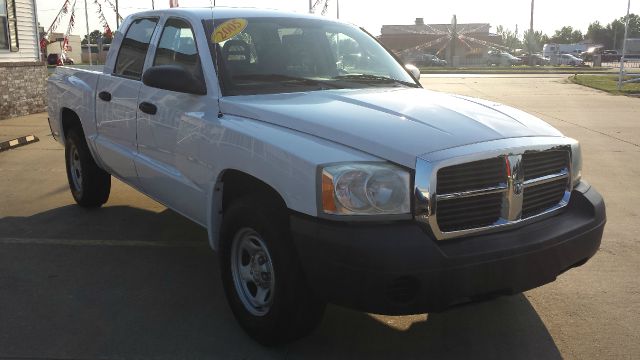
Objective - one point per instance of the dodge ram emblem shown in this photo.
(517, 188)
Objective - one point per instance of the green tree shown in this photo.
(509, 38)
(599, 34)
(616, 30)
(567, 35)
(94, 35)
(533, 41)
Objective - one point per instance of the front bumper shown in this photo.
(399, 268)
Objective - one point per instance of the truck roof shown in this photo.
(205, 13)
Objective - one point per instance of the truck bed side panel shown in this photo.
(73, 89)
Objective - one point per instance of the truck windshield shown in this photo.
(278, 55)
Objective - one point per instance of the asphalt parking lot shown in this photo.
(135, 280)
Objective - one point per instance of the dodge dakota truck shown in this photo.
(322, 180)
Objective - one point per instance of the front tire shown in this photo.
(89, 184)
(261, 274)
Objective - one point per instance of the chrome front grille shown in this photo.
(469, 212)
(538, 164)
(459, 212)
(473, 175)
(501, 190)
(538, 198)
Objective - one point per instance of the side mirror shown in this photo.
(414, 71)
(173, 78)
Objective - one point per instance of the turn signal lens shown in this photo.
(576, 164)
(328, 201)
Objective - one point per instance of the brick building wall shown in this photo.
(22, 88)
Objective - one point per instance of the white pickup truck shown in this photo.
(321, 169)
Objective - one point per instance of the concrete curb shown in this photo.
(17, 142)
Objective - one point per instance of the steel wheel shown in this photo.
(252, 271)
(75, 167)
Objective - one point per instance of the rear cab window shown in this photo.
(133, 50)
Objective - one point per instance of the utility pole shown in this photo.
(338, 11)
(310, 7)
(86, 17)
(453, 40)
(117, 16)
(153, 5)
(624, 47)
(531, 36)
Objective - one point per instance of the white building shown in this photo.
(22, 73)
(18, 31)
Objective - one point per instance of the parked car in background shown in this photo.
(538, 59)
(502, 59)
(426, 60)
(549, 50)
(432, 60)
(59, 60)
(611, 56)
(605, 55)
(568, 59)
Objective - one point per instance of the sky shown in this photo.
(549, 15)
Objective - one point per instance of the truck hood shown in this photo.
(394, 124)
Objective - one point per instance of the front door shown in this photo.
(163, 123)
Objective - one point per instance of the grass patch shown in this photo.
(525, 69)
(515, 69)
(608, 83)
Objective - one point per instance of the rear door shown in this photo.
(175, 118)
(117, 101)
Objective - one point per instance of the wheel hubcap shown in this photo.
(75, 167)
(252, 271)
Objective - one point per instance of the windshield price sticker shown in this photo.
(228, 29)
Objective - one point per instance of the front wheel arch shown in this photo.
(233, 184)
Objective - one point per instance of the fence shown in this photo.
(633, 63)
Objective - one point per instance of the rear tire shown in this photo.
(89, 184)
(262, 276)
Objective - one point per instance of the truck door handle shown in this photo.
(148, 108)
(104, 95)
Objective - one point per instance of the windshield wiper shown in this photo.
(287, 78)
(368, 78)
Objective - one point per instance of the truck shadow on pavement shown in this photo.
(141, 284)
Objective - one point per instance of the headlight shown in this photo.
(365, 189)
(576, 163)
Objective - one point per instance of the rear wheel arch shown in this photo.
(90, 185)
(69, 119)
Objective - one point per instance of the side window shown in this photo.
(8, 25)
(4, 26)
(133, 49)
(177, 46)
(13, 24)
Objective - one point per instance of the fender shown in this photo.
(282, 158)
